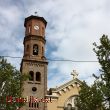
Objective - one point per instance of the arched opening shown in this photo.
(69, 106)
(43, 31)
(38, 76)
(31, 75)
(29, 29)
(29, 104)
(27, 48)
(37, 105)
(33, 104)
(35, 49)
(42, 51)
(70, 103)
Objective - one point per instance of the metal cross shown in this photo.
(35, 12)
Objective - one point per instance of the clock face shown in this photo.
(36, 27)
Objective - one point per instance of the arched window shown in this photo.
(29, 104)
(29, 29)
(27, 48)
(35, 49)
(36, 105)
(31, 75)
(42, 51)
(32, 105)
(43, 31)
(38, 76)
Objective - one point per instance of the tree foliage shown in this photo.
(103, 53)
(90, 97)
(10, 85)
(97, 96)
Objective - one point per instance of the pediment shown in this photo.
(67, 86)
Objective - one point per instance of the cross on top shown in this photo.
(35, 12)
(74, 74)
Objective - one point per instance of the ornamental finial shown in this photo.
(74, 74)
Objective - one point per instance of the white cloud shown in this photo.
(73, 25)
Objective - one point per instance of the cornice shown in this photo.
(34, 37)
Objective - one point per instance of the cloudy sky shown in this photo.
(73, 26)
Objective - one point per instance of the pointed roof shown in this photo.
(70, 83)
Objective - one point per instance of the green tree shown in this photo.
(11, 82)
(97, 96)
(103, 53)
(90, 97)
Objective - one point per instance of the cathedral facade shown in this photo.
(34, 64)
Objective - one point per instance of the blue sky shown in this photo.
(73, 26)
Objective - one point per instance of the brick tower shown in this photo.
(34, 62)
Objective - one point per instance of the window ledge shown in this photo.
(34, 82)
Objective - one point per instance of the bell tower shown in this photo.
(34, 62)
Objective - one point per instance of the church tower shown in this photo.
(34, 62)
